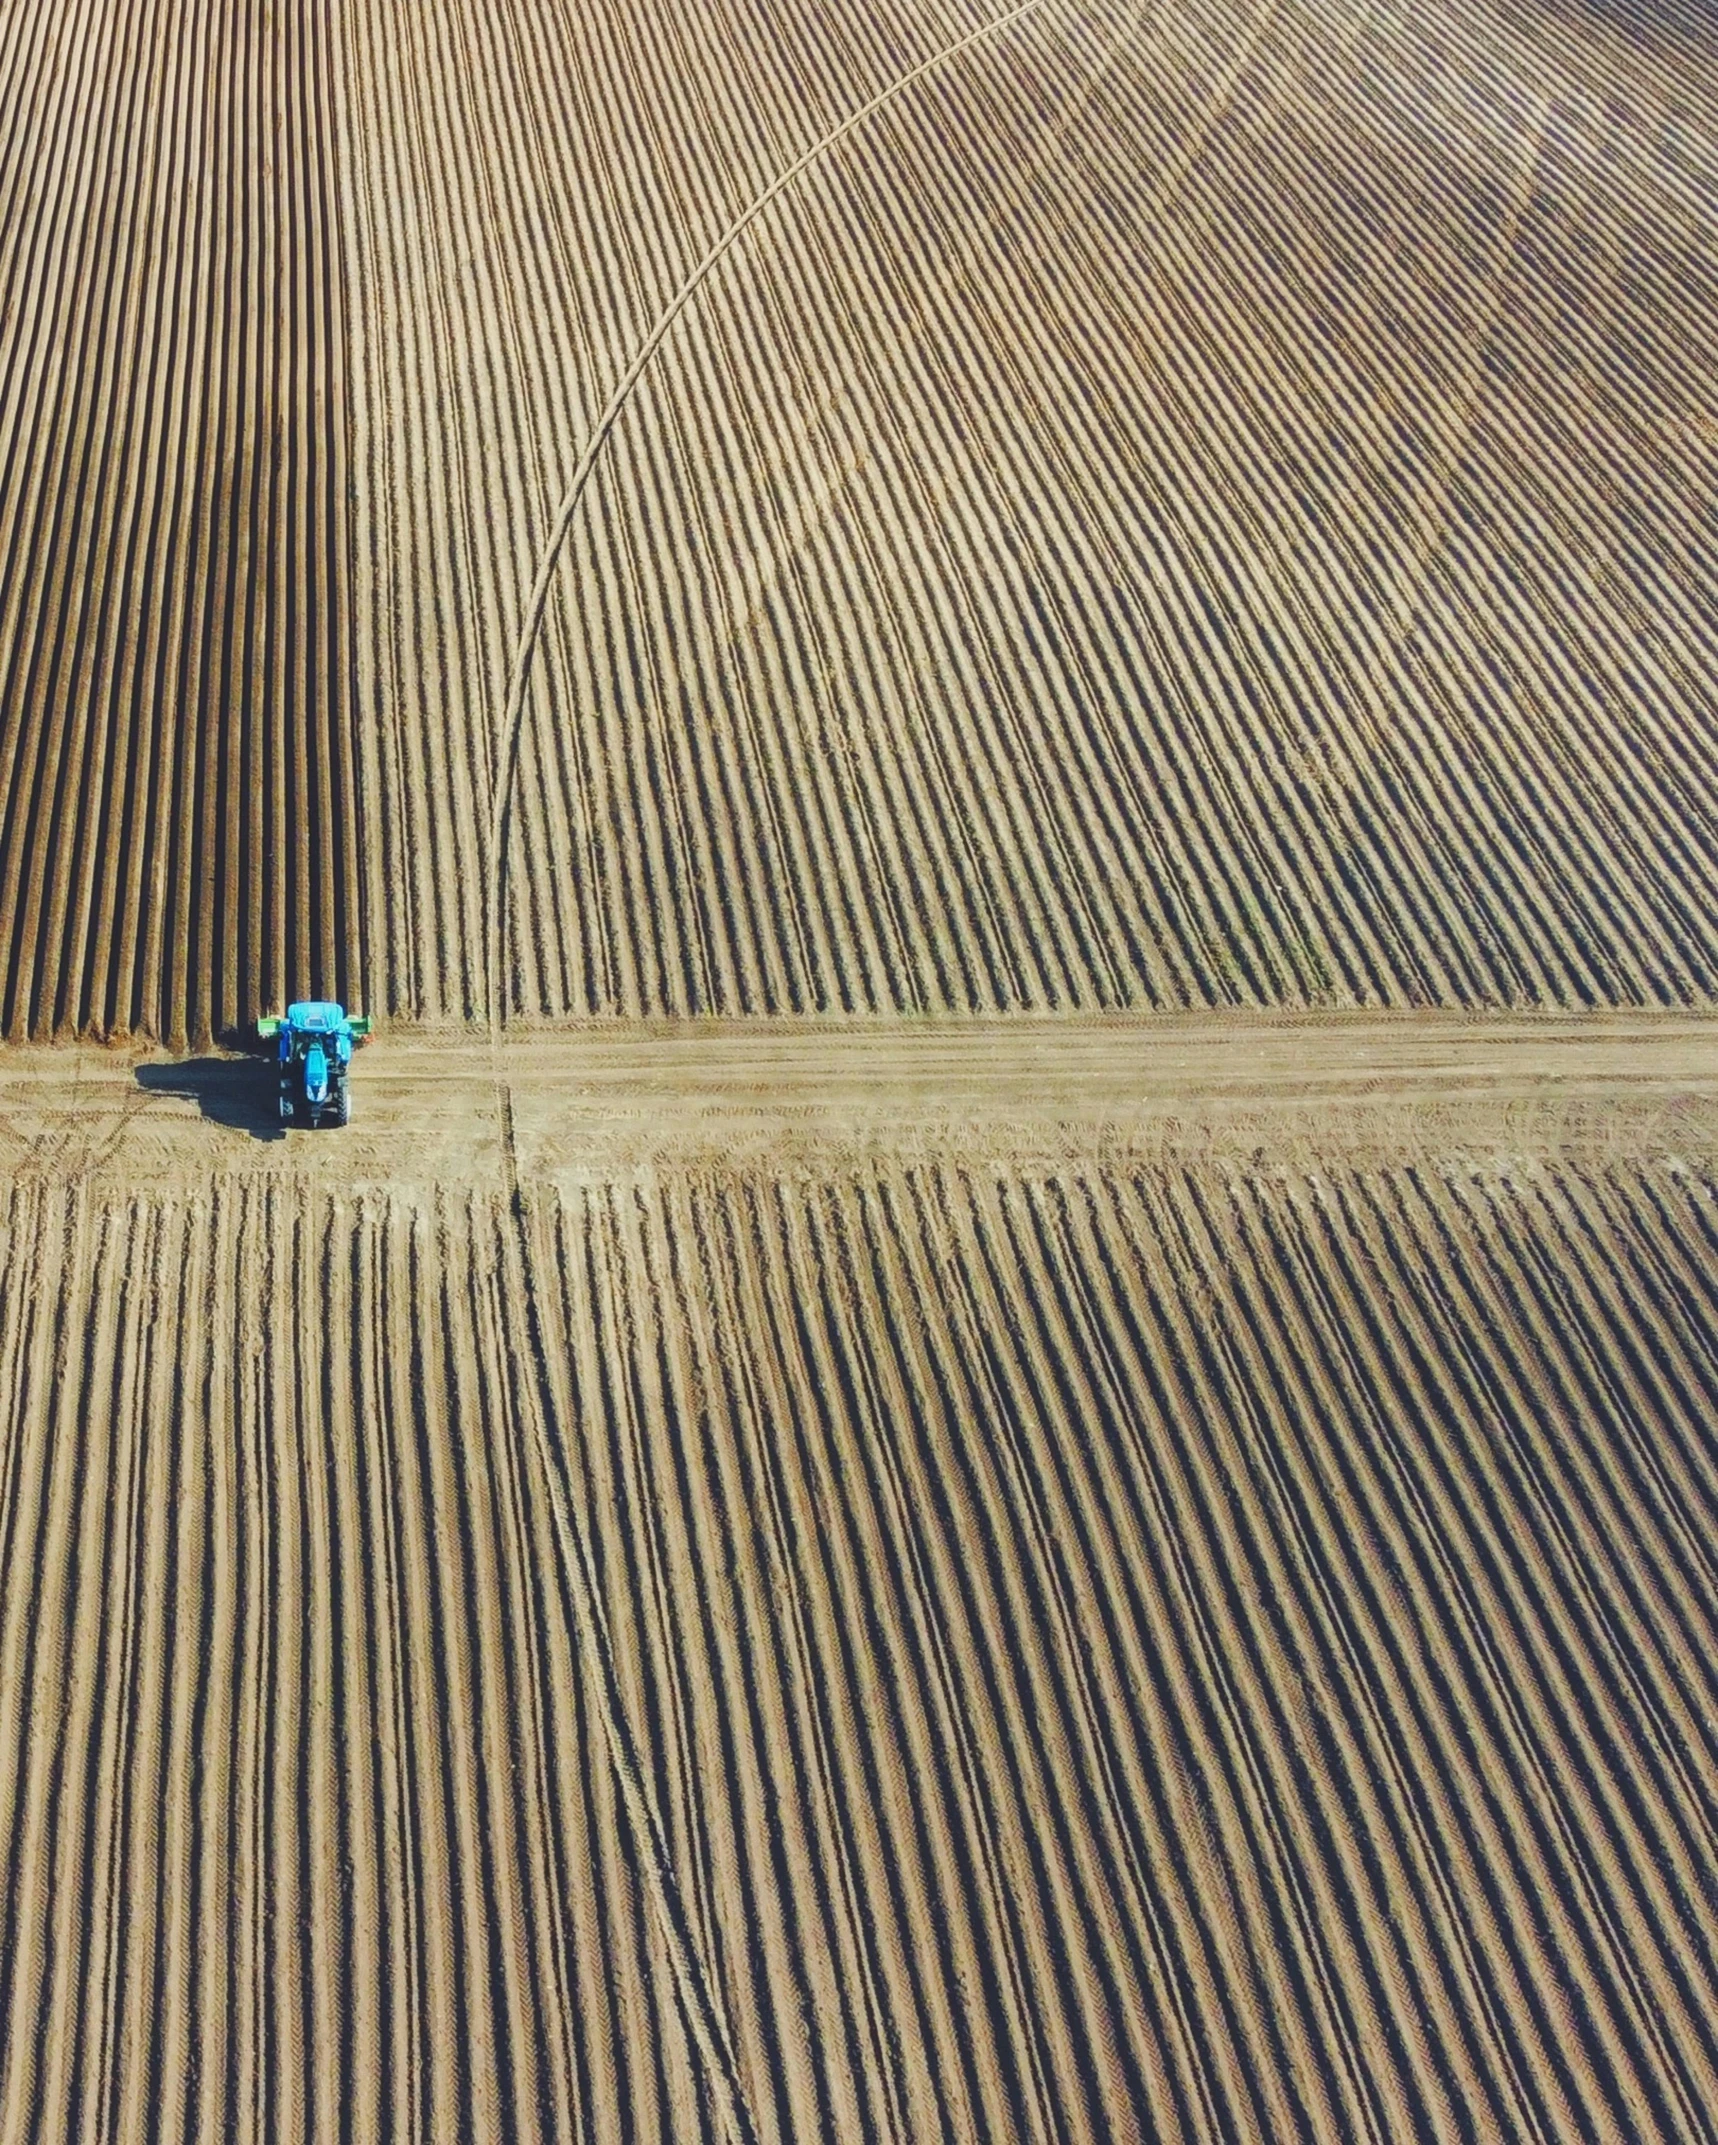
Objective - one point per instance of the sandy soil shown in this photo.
(1181, 1607)
(439, 1105)
(874, 1520)
(1180, 506)
(177, 744)
(1189, 504)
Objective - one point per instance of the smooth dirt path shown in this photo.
(592, 1098)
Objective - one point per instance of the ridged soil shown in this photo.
(177, 757)
(1179, 506)
(1173, 1652)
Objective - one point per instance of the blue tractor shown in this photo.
(316, 1044)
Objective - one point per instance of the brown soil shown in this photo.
(176, 719)
(1184, 505)
(438, 1106)
(1011, 1556)
(1179, 506)
(1015, 1580)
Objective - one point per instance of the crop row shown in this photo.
(1069, 1655)
(176, 723)
(1171, 509)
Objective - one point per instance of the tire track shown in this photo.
(513, 713)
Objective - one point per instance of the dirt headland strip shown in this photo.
(177, 842)
(597, 1097)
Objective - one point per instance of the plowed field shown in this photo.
(1000, 1425)
(956, 1592)
(176, 720)
(1181, 504)
(1168, 506)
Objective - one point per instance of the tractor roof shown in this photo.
(315, 1016)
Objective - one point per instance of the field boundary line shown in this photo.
(514, 714)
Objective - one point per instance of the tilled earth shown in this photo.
(1000, 1424)
(1137, 1578)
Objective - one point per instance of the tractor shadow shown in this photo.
(228, 1091)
